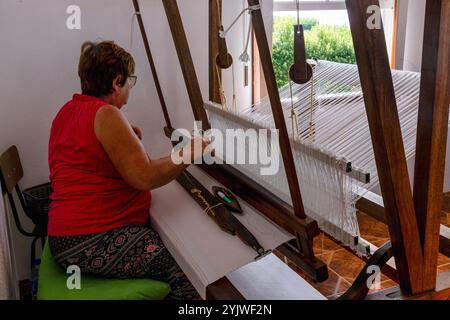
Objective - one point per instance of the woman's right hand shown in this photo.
(202, 145)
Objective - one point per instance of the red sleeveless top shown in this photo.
(89, 195)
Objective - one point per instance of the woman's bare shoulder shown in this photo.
(109, 111)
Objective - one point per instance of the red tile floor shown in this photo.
(343, 266)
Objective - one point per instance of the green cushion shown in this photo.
(53, 278)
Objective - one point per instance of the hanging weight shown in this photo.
(224, 60)
(300, 72)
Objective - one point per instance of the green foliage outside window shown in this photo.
(332, 43)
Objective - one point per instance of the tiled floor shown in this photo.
(343, 266)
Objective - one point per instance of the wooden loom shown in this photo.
(292, 219)
(411, 241)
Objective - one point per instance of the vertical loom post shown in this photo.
(215, 74)
(186, 62)
(151, 62)
(381, 107)
(304, 242)
(432, 132)
(277, 109)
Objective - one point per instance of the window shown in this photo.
(327, 31)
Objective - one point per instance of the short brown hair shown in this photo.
(100, 63)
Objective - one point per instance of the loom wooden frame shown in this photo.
(411, 220)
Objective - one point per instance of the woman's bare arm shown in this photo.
(128, 154)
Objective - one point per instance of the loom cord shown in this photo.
(249, 9)
(223, 98)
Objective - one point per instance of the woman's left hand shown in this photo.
(137, 131)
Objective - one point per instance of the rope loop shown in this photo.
(250, 9)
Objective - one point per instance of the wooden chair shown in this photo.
(11, 172)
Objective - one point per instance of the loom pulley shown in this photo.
(224, 60)
(300, 72)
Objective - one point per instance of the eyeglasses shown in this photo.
(132, 81)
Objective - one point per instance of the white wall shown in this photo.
(39, 57)
(402, 16)
(236, 44)
(415, 22)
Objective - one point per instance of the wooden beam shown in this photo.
(442, 292)
(359, 289)
(215, 74)
(372, 205)
(384, 124)
(444, 246)
(277, 109)
(186, 62)
(432, 132)
(223, 289)
(304, 243)
(151, 62)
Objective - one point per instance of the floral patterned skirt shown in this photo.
(128, 252)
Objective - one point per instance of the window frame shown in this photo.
(309, 5)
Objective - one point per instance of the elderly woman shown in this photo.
(102, 176)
